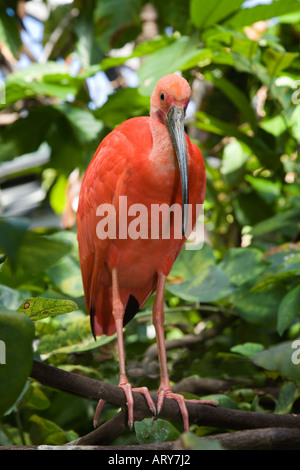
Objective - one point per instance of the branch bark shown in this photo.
(258, 439)
(202, 415)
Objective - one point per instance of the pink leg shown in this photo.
(118, 313)
(165, 390)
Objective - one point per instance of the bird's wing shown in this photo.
(104, 180)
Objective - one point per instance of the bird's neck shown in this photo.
(162, 154)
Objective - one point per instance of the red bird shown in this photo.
(151, 161)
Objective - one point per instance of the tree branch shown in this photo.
(202, 415)
(258, 439)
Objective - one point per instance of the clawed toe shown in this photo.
(129, 402)
(167, 393)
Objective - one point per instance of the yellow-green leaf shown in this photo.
(38, 308)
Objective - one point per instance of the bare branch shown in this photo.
(257, 439)
(202, 415)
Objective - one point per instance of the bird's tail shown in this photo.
(102, 320)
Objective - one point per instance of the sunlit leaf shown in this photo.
(247, 349)
(209, 286)
(248, 16)
(38, 308)
(204, 14)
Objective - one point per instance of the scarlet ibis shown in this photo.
(150, 160)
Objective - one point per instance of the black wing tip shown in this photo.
(132, 308)
(92, 316)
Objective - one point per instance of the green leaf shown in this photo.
(142, 49)
(58, 194)
(74, 335)
(279, 358)
(277, 61)
(66, 276)
(209, 286)
(85, 126)
(190, 263)
(248, 16)
(39, 252)
(16, 335)
(9, 31)
(35, 398)
(204, 14)
(122, 105)
(247, 349)
(235, 156)
(38, 308)
(224, 401)
(260, 307)
(36, 254)
(279, 221)
(289, 309)
(288, 395)
(182, 54)
(50, 79)
(268, 190)
(86, 47)
(149, 431)
(219, 127)
(116, 23)
(44, 431)
(242, 264)
(12, 232)
(238, 98)
(192, 442)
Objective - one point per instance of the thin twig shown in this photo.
(189, 340)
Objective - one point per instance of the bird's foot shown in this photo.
(167, 393)
(129, 401)
(129, 398)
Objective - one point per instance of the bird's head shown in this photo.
(169, 101)
(171, 90)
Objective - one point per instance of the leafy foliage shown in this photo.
(244, 281)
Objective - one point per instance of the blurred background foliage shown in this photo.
(70, 72)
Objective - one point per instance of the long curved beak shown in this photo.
(175, 125)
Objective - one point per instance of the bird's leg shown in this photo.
(165, 390)
(118, 314)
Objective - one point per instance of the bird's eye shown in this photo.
(162, 96)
